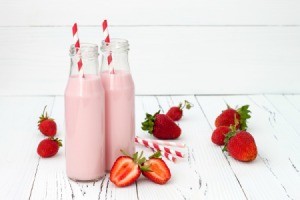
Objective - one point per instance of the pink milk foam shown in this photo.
(85, 128)
(119, 110)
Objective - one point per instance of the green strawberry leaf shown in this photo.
(228, 136)
(145, 168)
(244, 114)
(148, 124)
(157, 154)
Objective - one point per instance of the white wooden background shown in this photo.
(177, 47)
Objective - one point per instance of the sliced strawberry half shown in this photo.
(157, 170)
(126, 170)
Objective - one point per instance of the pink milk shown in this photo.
(85, 121)
(119, 101)
(119, 107)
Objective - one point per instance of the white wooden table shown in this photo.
(205, 173)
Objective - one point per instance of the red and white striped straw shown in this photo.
(76, 43)
(166, 143)
(107, 40)
(166, 155)
(158, 147)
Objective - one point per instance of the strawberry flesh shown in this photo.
(159, 172)
(48, 147)
(124, 171)
(48, 127)
(232, 117)
(218, 136)
(165, 128)
(242, 147)
(226, 118)
(161, 126)
(175, 113)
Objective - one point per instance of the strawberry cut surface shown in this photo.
(158, 171)
(126, 170)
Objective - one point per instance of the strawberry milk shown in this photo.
(85, 120)
(119, 106)
(119, 101)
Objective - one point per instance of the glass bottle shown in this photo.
(85, 117)
(119, 100)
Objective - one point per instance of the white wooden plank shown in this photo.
(134, 12)
(191, 60)
(204, 173)
(276, 152)
(287, 109)
(19, 138)
(294, 100)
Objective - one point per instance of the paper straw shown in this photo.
(166, 143)
(166, 155)
(77, 45)
(158, 147)
(107, 40)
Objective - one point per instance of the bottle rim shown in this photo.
(85, 49)
(115, 45)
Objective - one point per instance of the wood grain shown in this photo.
(19, 138)
(164, 60)
(205, 173)
(134, 12)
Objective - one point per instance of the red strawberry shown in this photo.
(49, 147)
(241, 146)
(219, 134)
(227, 117)
(158, 171)
(126, 170)
(46, 125)
(175, 112)
(161, 126)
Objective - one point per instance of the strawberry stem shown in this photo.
(43, 116)
(186, 105)
(124, 153)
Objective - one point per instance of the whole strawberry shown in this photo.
(161, 126)
(157, 170)
(218, 136)
(227, 117)
(46, 125)
(49, 147)
(127, 169)
(241, 146)
(175, 112)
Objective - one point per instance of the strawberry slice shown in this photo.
(157, 170)
(126, 170)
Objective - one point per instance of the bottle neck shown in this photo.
(118, 50)
(88, 55)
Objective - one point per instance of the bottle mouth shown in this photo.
(85, 50)
(115, 45)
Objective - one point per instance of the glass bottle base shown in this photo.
(86, 181)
